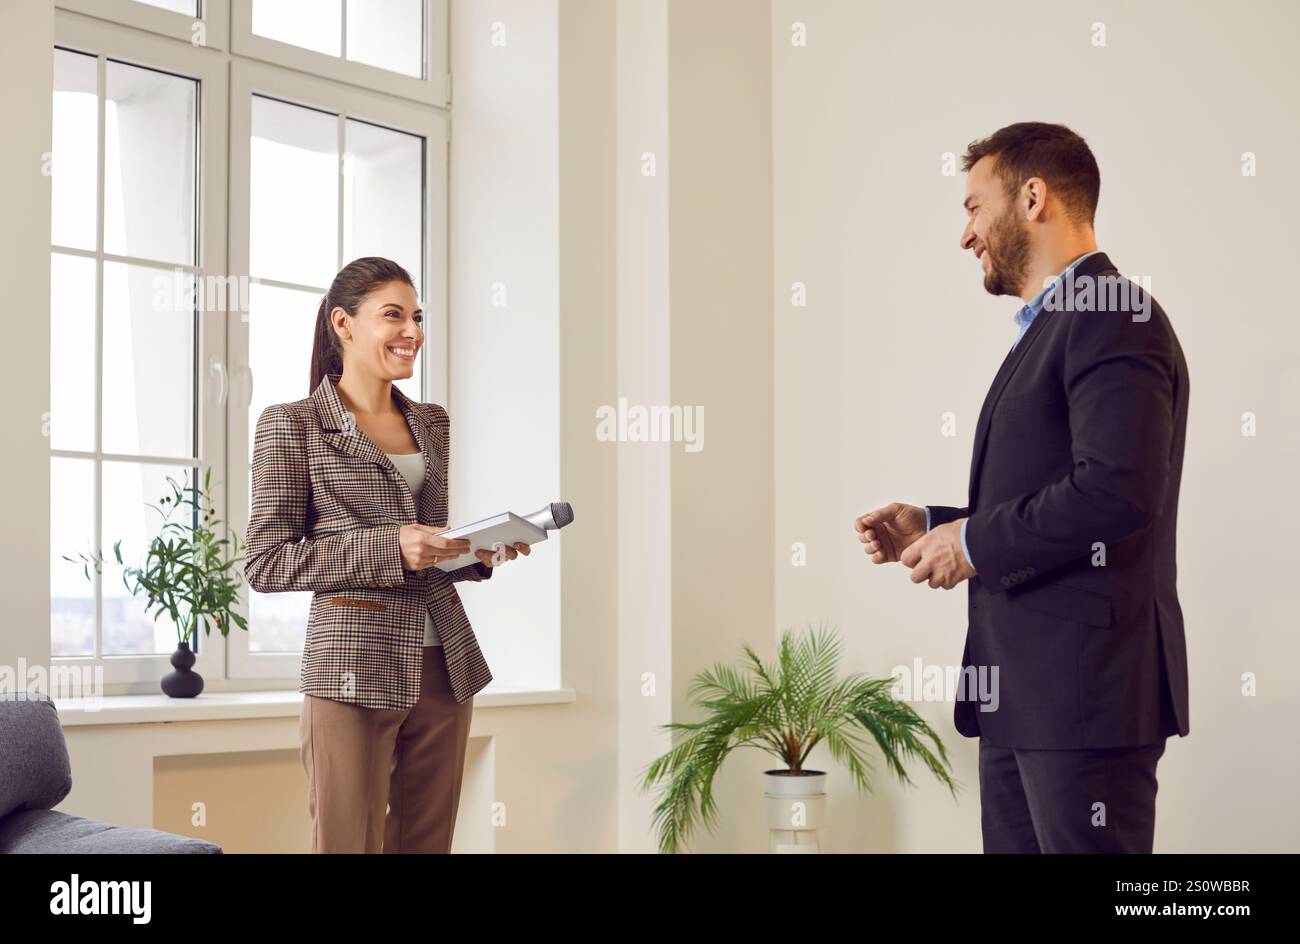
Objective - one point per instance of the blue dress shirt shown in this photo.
(1026, 315)
(1024, 318)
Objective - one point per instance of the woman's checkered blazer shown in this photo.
(326, 508)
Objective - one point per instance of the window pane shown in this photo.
(72, 165)
(311, 24)
(281, 323)
(387, 34)
(148, 361)
(293, 193)
(129, 487)
(72, 532)
(280, 326)
(72, 352)
(411, 385)
(277, 622)
(383, 195)
(188, 7)
(149, 164)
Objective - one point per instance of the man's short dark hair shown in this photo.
(1052, 152)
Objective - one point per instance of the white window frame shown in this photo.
(214, 16)
(110, 41)
(433, 89)
(254, 78)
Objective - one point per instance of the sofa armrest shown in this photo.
(37, 772)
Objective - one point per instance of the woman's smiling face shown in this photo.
(386, 333)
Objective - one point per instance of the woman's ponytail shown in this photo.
(354, 282)
(326, 358)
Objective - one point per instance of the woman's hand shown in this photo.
(423, 546)
(490, 557)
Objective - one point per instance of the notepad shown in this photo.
(507, 528)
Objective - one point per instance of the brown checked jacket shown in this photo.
(327, 505)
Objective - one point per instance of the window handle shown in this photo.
(219, 368)
(246, 378)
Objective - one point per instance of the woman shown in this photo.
(350, 501)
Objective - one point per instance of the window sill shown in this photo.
(233, 706)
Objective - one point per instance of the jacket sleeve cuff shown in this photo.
(386, 551)
(936, 515)
(965, 548)
(1004, 565)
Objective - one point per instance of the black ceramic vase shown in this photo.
(182, 681)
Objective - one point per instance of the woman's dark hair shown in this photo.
(354, 282)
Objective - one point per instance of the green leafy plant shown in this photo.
(785, 710)
(187, 572)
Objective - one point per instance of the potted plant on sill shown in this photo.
(186, 574)
(786, 711)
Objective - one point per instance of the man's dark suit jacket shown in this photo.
(1079, 453)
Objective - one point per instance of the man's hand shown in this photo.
(938, 557)
(887, 532)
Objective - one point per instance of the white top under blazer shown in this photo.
(411, 465)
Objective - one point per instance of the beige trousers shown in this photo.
(384, 780)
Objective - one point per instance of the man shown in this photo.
(1067, 542)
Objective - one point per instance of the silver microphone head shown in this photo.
(561, 513)
(554, 516)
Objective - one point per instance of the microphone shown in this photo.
(553, 517)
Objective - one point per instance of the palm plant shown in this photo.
(785, 711)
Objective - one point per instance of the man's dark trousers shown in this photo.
(1068, 801)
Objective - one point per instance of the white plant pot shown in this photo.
(796, 810)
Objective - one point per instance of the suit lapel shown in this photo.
(424, 437)
(1090, 266)
(1000, 379)
(339, 429)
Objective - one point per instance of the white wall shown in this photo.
(899, 330)
(504, 318)
(720, 258)
(532, 204)
(26, 91)
(645, 621)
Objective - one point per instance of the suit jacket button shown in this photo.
(1031, 571)
(1022, 574)
(1006, 581)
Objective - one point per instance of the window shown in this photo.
(386, 34)
(393, 46)
(324, 174)
(309, 213)
(198, 22)
(124, 223)
(187, 7)
(149, 377)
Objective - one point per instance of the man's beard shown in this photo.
(1007, 247)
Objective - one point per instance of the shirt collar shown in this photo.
(1028, 312)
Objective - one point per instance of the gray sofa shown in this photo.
(36, 774)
